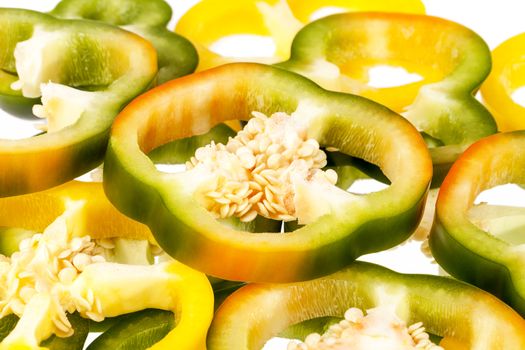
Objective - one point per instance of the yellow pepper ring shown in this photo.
(278, 19)
(508, 74)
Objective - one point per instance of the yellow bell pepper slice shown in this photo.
(122, 289)
(117, 288)
(508, 74)
(97, 217)
(210, 20)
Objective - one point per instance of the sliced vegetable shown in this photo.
(209, 21)
(506, 77)
(80, 263)
(460, 243)
(339, 52)
(85, 72)
(53, 273)
(463, 315)
(95, 217)
(348, 225)
(380, 328)
(147, 18)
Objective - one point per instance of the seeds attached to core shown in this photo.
(256, 171)
(49, 263)
(379, 329)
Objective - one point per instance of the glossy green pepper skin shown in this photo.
(186, 231)
(120, 65)
(340, 51)
(464, 316)
(147, 18)
(485, 255)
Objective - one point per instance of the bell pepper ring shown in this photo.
(464, 316)
(99, 281)
(211, 20)
(349, 225)
(465, 248)
(507, 75)
(147, 18)
(39, 48)
(339, 51)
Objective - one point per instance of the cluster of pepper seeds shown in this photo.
(49, 263)
(255, 170)
(360, 332)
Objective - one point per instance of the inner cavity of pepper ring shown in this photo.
(260, 47)
(518, 96)
(245, 46)
(354, 175)
(500, 211)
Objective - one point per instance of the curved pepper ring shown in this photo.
(466, 317)
(147, 18)
(118, 288)
(339, 51)
(188, 232)
(210, 20)
(508, 74)
(460, 242)
(120, 66)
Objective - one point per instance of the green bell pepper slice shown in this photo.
(339, 52)
(147, 18)
(107, 67)
(484, 255)
(189, 233)
(466, 317)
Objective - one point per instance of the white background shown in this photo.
(495, 21)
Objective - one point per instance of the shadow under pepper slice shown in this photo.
(189, 233)
(507, 75)
(466, 317)
(147, 18)
(464, 249)
(82, 55)
(211, 20)
(339, 51)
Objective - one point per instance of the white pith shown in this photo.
(36, 61)
(379, 329)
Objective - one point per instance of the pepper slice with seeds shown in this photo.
(464, 316)
(342, 226)
(71, 267)
(483, 244)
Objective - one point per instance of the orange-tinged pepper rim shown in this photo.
(462, 314)
(189, 233)
(461, 247)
